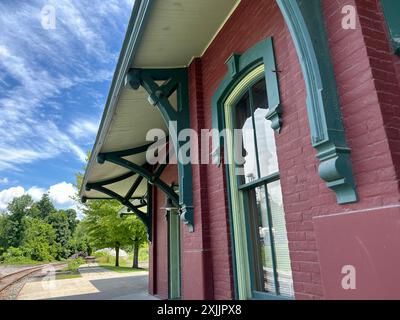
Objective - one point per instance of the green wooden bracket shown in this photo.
(145, 217)
(142, 171)
(175, 80)
(306, 25)
(391, 10)
(239, 65)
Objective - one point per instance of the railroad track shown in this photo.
(9, 279)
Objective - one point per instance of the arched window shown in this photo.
(247, 105)
(260, 190)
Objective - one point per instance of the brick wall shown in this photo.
(369, 103)
(369, 96)
(196, 246)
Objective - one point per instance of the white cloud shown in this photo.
(61, 195)
(36, 70)
(4, 180)
(7, 195)
(36, 193)
(84, 128)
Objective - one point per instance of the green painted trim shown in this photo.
(259, 182)
(174, 256)
(112, 180)
(239, 66)
(239, 229)
(135, 185)
(232, 238)
(150, 210)
(306, 25)
(175, 80)
(128, 152)
(137, 22)
(100, 186)
(146, 174)
(391, 10)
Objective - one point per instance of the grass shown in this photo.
(68, 276)
(24, 262)
(121, 269)
(123, 261)
(108, 261)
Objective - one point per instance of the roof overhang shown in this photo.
(161, 34)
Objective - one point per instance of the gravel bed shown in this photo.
(12, 291)
(4, 270)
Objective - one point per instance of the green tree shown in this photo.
(80, 240)
(72, 220)
(39, 239)
(43, 208)
(59, 221)
(138, 235)
(17, 209)
(104, 228)
(3, 230)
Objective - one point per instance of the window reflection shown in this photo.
(244, 122)
(257, 135)
(266, 147)
(268, 234)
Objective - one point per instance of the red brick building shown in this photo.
(314, 212)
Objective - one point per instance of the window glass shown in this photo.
(260, 237)
(266, 147)
(283, 268)
(271, 267)
(248, 171)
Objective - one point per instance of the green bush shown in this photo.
(39, 251)
(74, 264)
(14, 255)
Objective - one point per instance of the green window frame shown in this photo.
(239, 65)
(247, 259)
(244, 70)
(391, 10)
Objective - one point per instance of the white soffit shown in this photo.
(178, 30)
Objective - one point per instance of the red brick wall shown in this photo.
(369, 103)
(251, 22)
(196, 246)
(369, 96)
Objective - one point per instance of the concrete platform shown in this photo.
(96, 283)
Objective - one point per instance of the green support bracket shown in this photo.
(306, 24)
(142, 171)
(175, 80)
(145, 217)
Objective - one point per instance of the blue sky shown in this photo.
(53, 87)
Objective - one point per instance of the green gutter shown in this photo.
(136, 26)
